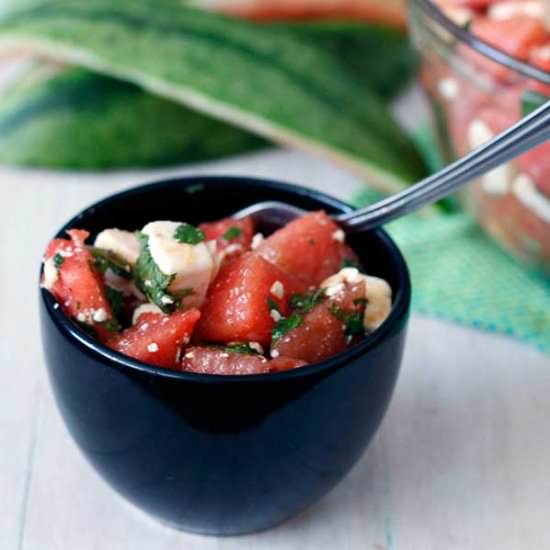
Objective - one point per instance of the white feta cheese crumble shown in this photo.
(278, 290)
(123, 244)
(99, 315)
(275, 315)
(526, 191)
(166, 300)
(192, 266)
(448, 88)
(379, 302)
(502, 11)
(256, 347)
(274, 353)
(189, 355)
(497, 181)
(339, 236)
(144, 308)
(257, 240)
(81, 317)
(378, 294)
(153, 347)
(334, 289)
(50, 274)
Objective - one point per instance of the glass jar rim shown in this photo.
(494, 54)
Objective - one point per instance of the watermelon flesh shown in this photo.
(237, 306)
(310, 248)
(79, 288)
(209, 360)
(157, 338)
(322, 334)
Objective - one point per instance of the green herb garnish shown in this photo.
(285, 325)
(353, 320)
(188, 234)
(306, 302)
(112, 325)
(105, 259)
(116, 299)
(150, 279)
(360, 302)
(58, 260)
(272, 305)
(241, 348)
(233, 233)
(531, 101)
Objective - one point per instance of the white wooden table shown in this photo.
(462, 460)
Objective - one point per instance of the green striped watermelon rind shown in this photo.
(270, 83)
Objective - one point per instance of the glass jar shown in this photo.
(477, 91)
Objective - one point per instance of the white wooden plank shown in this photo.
(461, 461)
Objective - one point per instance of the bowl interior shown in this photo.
(200, 199)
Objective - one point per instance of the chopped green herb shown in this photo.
(105, 259)
(350, 263)
(306, 302)
(241, 348)
(360, 302)
(150, 279)
(112, 325)
(116, 299)
(285, 325)
(353, 320)
(233, 233)
(188, 234)
(531, 101)
(272, 304)
(58, 260)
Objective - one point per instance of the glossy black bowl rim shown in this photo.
(400, 309)
(484, 48)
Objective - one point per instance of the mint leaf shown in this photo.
(105, 259)
(353, 320)
(58, 260)
(306, 302)
(285, 325)
(233, 233)
(150, 279)
(188, 234)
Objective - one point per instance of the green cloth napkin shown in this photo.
(460, 275)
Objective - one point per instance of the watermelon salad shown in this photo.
(219, 298)
(475, 98)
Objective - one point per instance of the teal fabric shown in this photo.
(460, 275)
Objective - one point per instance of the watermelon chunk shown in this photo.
(322, 333)
(78, 286)
(310, 248)
(237, 307)
(205, 360)
(516, 36)
(156, 338)
(229, 231)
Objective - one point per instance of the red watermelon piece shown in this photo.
(309, 248)
(236, 308)
(156, 339)
(322, 333)
(79, 288)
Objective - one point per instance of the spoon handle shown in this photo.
(529, 132)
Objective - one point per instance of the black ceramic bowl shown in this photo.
(223, 455)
